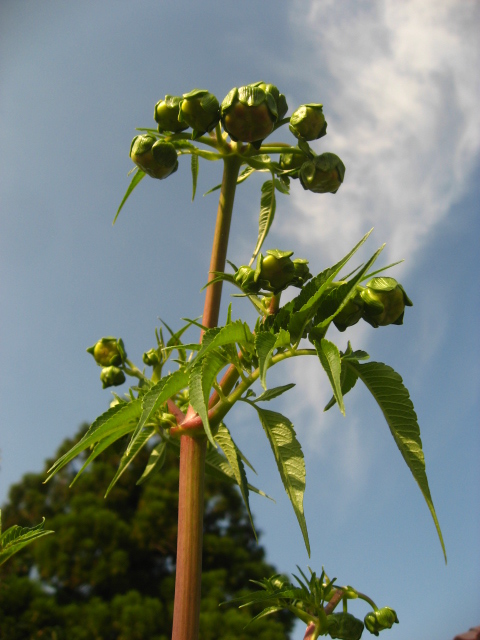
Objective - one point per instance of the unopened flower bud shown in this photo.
(384, 302)
(308, 122)
(108, 351)
(151, 358)
(200, 110)
(323, 174)
(293, 161)
(166, 115)
(249, 113)
(344, 626)
(112, 377)
(155, 157)
(381, 619)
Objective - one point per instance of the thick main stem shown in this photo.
(186, 612)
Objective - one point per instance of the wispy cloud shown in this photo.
(400, 90)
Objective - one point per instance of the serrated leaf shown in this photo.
(137, 177)
(202, 376)
(267, 214)
(194, 169)
(387, 387)
(232, 453)
(235, 332)
(348, 379)
(16, 537)
(130, 454)
(266, 612)
(155, 461)
(329, 357)
(264, 346)
(273, 393)
(158, 395)
(217, 466)
(290, 462)
(104, 426)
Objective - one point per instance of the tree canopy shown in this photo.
(108, 571)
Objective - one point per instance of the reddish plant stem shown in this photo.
(193, 448)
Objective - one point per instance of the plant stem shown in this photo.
(186, 612)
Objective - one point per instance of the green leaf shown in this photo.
(348, 379)
(393, 398)
(235, 332)
(267, 214)
(329, 357)
(157, 396)
(137, 177)
(104, 426)
(202, 376)
(264, 346)
(155, 461)
(218, 466)
(273, 393)
(290, 462)
(132, 450)
(194, 168)
(232, 453)
(15, 538)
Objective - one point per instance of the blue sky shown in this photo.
(400, 88)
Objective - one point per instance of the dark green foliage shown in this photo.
(108, 571)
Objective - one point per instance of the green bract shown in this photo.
(381, 619)
(323, 174)
(108, 351)
(249, 113)
(344, 626)
(384, 302)
(166, 115)
(200, 110)
(274, 272)
(112, 377)
(156, 158)
(150, 358)
(308, 122)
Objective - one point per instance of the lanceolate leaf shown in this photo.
(202, 376)
(158, 395)
(329, 357)
(273, 393)
(289, 457)
(104, 426)
(137, 177)
(264, 346)
(235, 332)
(130, 454)
(267, 214)
(155, 461)
(218, 466)
(348, 379)
(16, 537)
(393, 398)
(194, 168)
(232, 454)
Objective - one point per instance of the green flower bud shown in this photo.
(280, 100)
(157, 158)
(112, 377)
(384, 302)
(151, 358)
(293, 161)
(166, 115)
(323, 174)
(308, 122)
(108, 351)
(274, 272)
(249, 113)
(200, 110)
(344, 626)
(381, 619)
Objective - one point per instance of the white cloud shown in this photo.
(401, 104)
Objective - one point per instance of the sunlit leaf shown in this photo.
(202, 376)
(15, 538)
(130, 454)
(137, 177)
(329, 357)
(267, 214)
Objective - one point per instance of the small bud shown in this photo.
(350, 314)
(323, 174)
(155, 157)
(293, 161)
(200, 110)
(249, 113)
(166, 115)
(274, 272)
(112, 377)
(384, 302)
(308, 122)
(108, 351)
(151, 358)
(381, 619)
(344, 626)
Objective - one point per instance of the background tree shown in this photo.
(108, 572)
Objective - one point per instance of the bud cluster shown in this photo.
(274, 272)
(109, 353)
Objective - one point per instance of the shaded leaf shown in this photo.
(267, 214)
(15, 538)
(194, 169)
(155, 462)
(202, 376)
(132, 450)
(273, 393)
(329, 357)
